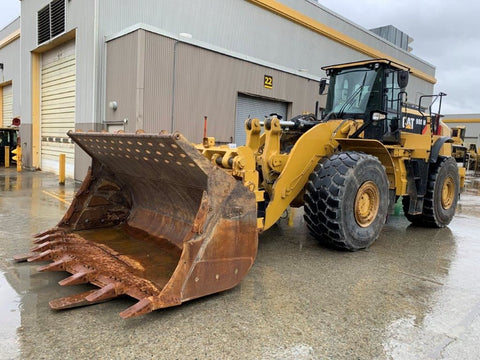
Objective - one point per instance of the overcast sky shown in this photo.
(9, 11)
(445, 34)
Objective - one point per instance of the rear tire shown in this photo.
(441, 198)
(346, 200)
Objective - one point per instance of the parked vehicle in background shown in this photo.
(8, 137)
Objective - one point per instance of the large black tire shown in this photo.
(441, 199)
(346, 200)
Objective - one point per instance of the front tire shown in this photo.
(346, 200)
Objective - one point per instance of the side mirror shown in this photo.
(322, 112)
(402, 79)
(323, 85)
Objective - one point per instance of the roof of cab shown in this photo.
(366, 62)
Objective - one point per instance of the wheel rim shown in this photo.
(448, 193)
(367, 203)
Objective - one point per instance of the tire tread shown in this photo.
(323, 197)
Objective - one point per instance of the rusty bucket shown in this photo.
(154, 220)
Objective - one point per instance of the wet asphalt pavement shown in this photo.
(414, 294)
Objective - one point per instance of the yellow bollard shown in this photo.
(7, 156)
(18, 157)
(61, 169)
(291, 217)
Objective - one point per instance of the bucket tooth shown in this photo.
(105, 293)
(47, 237)
(41, 247)
(44, 256)
(59, 265)
(82, 277)
(71, 301)
(22, 257)
(47, 232)
(142, 307)
(45, 246)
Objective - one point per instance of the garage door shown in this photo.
(58, 107)
(254, 107)
(7, 102)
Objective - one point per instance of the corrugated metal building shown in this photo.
(471, 123)
(158, 64)
(9, 73)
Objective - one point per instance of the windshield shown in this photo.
(351, 92)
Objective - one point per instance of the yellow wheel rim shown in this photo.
(367, 203)
(448, 193)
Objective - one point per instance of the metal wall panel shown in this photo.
(7, 102)
(9, 57)
(144, 91)
(81, 16)
(10, 28)
(238, 26)
(122, 58)
(82, 160)
(192, 81)
(207, 84)
(58, 90)
(248, 29)
(158, 95)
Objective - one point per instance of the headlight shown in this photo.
(377, 116)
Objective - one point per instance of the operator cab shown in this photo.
(373, 91)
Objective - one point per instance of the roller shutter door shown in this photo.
(7, 103)
(254, 107)
(58, 108)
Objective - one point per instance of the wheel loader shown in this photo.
(467, 156)
(165, 221)
(459, 150)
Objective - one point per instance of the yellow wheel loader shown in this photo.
(165, 221)
(467, 156)
(459, 150)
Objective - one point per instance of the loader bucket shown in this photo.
(154, 220)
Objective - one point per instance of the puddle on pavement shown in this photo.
(10, 303)
(452, 317)
(11, 180)
(405, 294)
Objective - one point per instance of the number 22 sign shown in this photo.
(268, 81)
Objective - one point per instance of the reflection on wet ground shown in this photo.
(9, 307)
(414, 294)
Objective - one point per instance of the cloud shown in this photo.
(10, 10)
(445, 34)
